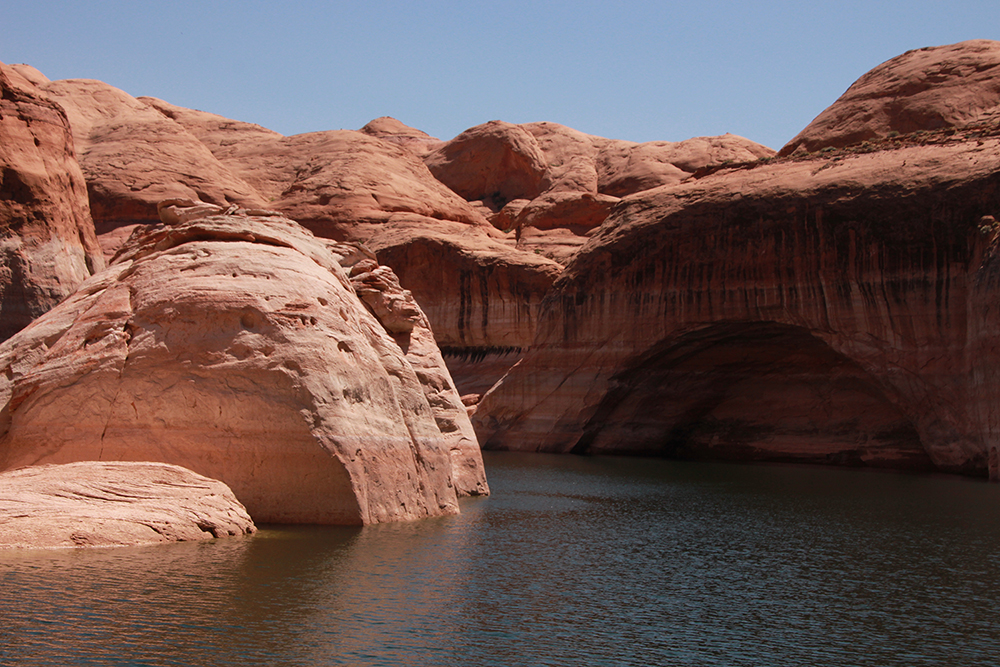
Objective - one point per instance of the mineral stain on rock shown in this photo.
(831, 303)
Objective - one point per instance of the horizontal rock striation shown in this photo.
(836, 309)
(114, 504)
(237, 346)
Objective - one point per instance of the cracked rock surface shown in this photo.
(114, 503)
(235, 345)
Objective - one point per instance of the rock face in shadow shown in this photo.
(834, 309)
(47, 241)
(114, 504)
(236, 345)
(925, 89)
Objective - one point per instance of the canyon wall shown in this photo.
(235, 344)
(834, 307)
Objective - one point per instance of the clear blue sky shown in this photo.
(626, 70)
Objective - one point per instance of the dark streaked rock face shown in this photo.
(831, 309)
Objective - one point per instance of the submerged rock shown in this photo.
(235, 345)
(112, 504)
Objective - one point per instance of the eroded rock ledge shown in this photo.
(114, 503)
(234, 344)
(834, 308)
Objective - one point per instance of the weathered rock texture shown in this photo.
(235, 345)
(111, 504)
(834, 309)
(371, 187)
(393, 131)
(553, 186)
(47, 242)
(925, 89)
(133, 156)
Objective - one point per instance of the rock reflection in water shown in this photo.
(574, 560)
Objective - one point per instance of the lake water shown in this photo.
(572, 561)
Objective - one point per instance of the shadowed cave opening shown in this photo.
(752, 391)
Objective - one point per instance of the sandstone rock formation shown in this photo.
(391, 130)
(235, 345)
(831, 309)
(554, 185)
(47, 242)
(133, 156)
(104, 504)
(925, 89)
(371, 187)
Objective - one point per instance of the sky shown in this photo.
(640, 71)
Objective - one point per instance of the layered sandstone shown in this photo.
(112, 504)
(553, 186)
(47, 241)
(371, 187)
(133, 156)
(829, 310)
(924, 89)
(236, 345)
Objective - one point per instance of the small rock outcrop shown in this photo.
(113, 504)
(235, 344)
(47, 241)
(391, 130)
(925, 89)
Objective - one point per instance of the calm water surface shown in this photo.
(573, 561)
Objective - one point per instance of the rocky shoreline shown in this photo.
(271, 311)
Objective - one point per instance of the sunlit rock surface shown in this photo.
(924, 89)
(236, 346)
(133, 156)
(47, 241)
(113, 504)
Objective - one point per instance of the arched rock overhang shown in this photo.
(752, 391)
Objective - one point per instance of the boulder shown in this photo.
(236, 346)
(494, 162)
(925, 89)
(47, 240)
(114, 504)
(834, 309)
(133, 156)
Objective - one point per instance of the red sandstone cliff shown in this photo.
(47, 241)
(829, 308)
(237, 345)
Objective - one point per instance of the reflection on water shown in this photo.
(573, 561)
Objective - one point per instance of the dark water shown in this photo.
(573, 561)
